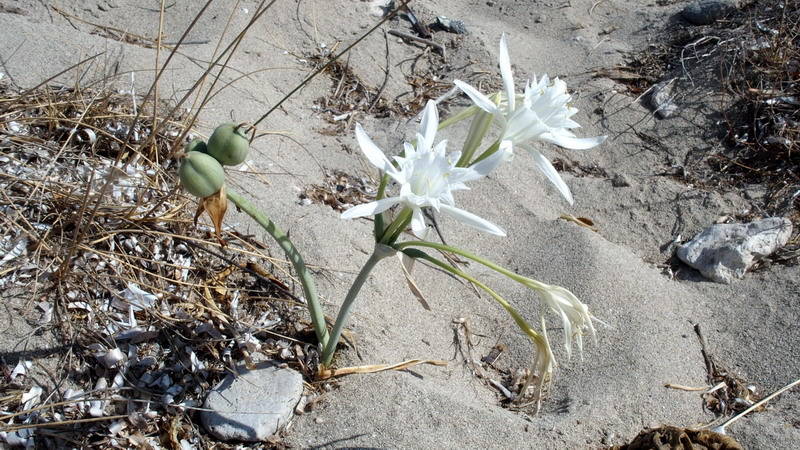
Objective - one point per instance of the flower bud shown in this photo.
(201, 174)
(197, 145)
(228, 144)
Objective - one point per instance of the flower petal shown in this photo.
(485, 166)
(571, 142)
(418, 225)
(523, 126)
(481, 101)
(372, 152)
(505, 72)
(368, 209)
(430, 122)
(472, 220)
(550, 172)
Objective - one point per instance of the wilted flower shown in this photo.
(427, 176)
(574, 313)
(542, 113)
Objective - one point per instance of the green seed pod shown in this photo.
(201, 174)
(197, 145)
(228, 144)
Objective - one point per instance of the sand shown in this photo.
(617, 388)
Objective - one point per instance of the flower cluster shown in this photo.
(427, 176)
(541, 113)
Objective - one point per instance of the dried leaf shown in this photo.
(215, 205)
(407, 264)
(326, 373)
(582, 221)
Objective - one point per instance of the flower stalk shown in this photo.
(544, 361)
(303, 274)
(381, 251)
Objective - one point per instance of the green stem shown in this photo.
(379, 225)
(516, 277)
(303, 274)
(488, 152)
(520, 321)
(381, 251)
(465, 113)
(397, 226)
(477, 131)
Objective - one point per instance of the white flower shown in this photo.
(542, 113)
(427, 176)
(574, 313)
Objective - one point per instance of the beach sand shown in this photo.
(605, 396)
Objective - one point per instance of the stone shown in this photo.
(724, 252)
(253, 405)
(662, 99)
(451, 26)
(620, 180)
(706, 12)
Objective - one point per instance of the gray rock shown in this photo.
(705, 12)
(253, 405)
(620, 180)
(724, 252)
(452, 26)
(662, 99)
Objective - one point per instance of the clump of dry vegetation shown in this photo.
(340, 191)
(99, 238)
(755, 54)
(763, 104)
(351, 96)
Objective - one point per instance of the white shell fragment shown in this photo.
(136, 297)
(16, 251)
(21, 368)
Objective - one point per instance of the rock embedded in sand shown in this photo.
(620, 180)
(706, 12)
(451, 26)
(662, 99)
(254, 404)
(724, 252)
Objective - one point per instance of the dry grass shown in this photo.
(98, 233)
(152, 310)
(756, 54)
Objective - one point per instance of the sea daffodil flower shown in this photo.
(574, 314)
(427, 176)
(542, 113)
